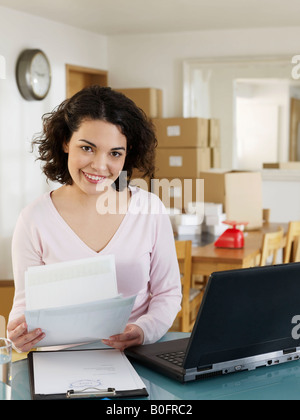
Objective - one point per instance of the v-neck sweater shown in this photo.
(143, 246)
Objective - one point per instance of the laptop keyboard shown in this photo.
(176, 358)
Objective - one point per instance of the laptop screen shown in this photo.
(246, 313)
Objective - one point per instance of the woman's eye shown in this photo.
(86, 148)
(116, 154)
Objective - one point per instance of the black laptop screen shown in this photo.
(246, 313)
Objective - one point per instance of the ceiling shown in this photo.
(116, 17)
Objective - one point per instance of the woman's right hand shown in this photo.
(23, 340)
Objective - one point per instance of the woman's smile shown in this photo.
(94, 179)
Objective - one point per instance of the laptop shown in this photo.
(244, 323)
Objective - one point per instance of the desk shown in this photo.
(208, 259)
(271, 383)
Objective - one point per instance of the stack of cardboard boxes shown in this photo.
(187, 149)
(182, 147)
(186, 146)
(181, 154)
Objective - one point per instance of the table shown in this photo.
(206, 258)
(280, 382)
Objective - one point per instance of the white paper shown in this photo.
(71, 283)
(76, 301)
(81, 323)
(59, 372)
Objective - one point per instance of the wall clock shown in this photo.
(33, 75)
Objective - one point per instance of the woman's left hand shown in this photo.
(132, 336)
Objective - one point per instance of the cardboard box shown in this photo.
(181, 132)
(181, 163)
(214, 133)
(150, 100)
(239, 192)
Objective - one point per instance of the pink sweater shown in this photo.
(144, 249)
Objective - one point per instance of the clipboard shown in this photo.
(83, 374)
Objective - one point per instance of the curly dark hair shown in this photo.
(96, 103)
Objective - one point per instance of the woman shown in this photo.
(86, 145)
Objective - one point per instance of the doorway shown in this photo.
(78, 78)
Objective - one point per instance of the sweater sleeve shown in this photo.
(165, 284)
(24, 254)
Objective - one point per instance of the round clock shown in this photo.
(33, 75)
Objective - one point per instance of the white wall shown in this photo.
(21, 180)
(157, 61)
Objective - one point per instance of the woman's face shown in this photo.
(97, 153)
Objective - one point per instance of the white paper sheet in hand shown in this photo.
(81, 323)
(71, 283)
(75, 301)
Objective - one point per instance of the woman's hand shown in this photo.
(18, 333)
(132, 336)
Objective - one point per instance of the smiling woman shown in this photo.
(102, 105)
(87, 142)
(99, 159)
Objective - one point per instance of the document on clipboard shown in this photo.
(77, 374)
(76, 302)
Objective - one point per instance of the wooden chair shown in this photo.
(7, 291)
(272, 243)
(191, 298)
(292, 249)
(2, 327)
(266, 215)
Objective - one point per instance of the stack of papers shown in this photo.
(76, 302)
